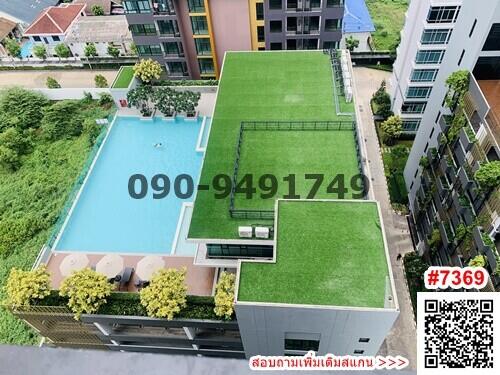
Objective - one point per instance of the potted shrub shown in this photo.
(187, 103)
(165, 100)
(488, 175)
(141, 98)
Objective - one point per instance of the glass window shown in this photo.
(291, 4)
(168, 27)
(413, 107)
(203, 46)
(493, 41)
(334, 3)
(429, 56)
(137, 6)
(276, 46)
(332, 24)
(259, 11)
(436, 36)
(215, 250)
(411, 125)
(55, 38)
(173, 48)
(302, 345)
(260, 33)
(164, 6)
(315, 3)
(200, 25)
(149, 50)
(443, 14)
(196, 6)
(146, 29)
(310, 44)
(291, 44)
(275, 26)
(206, 66)
(177, 68)
(418, 92)
(311, 24)
(330, 45)
(424, 75)
(37, 39)
(275, 4)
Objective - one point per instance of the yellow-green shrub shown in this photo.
(147, 70)
(224, 295)
(87, 291)
(23, 287)
(166, 294)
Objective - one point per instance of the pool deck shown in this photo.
(199, 280)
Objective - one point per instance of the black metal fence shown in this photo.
(278, 126)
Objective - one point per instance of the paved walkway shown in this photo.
(32, 79)
(402, 338)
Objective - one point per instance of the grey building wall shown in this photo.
(263, 328)
(282, 14)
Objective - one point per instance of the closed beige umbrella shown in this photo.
(73, 262)
(110, 265)
(148, 265)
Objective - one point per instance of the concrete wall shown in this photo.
(66, 93)
(363, 38)
(263, 328)
(231, 26)
(78, 49)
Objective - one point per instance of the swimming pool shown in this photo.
(26, 49)
(107, 219)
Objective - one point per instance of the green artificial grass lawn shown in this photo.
(124, 78)
(259, 86)
(281, 153)
(388, 17)
(328, 253)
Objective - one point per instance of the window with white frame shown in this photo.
(418, 92)
(413, 107)
(443, 14)
(424, 75)
(429, 56)
(411, 125)
(436, 36)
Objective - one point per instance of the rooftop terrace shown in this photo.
(272, 86)
(327, 253)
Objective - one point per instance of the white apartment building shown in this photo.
(439, 38)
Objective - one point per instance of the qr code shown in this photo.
(457, 331)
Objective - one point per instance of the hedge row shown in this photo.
(183, 82)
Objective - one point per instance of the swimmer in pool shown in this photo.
(158, 145)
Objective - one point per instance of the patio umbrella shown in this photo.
(73, 262)
(110, 265)
(148, 265)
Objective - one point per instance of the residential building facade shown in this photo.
(191, 37)
(437, 41)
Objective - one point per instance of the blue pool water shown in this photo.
(106, 218)
(26, 49)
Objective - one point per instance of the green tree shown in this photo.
(86, 290)
(133, 49)
(113, 51)
(392, 129)
(40, 51)
(25, 287)
(351, 43)
(10, 160)
(458, 85)
(224, 295)
(166, 294)
(62, 121)
(147, 70)
(100, 81)
(52, 83)
(62, 51)
(13, 47)
(90, 50)
(165, 100)
(187, 102)
(97, 10)
(488, 175)
(382, 100)
(12, 138)
(21, 107)
(141, 98)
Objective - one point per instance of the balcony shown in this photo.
(432, 155)
(465, 180)
(444, 123)
(445, 234)
(467, 138)
(459, 154)
(445, 165)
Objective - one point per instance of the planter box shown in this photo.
(443, 165)
(478, 240)
(192, 118)
(464, 178)
(459, 154)
(444, 235)
(465, 140)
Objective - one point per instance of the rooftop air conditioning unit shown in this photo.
(262, 232)
(245, 232)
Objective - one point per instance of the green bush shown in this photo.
(415, 268)
(186, 82)
(21, 107)
(61, 120)
(52, 83)
(15, 231)
(488, 175)
(106, 99)
(224, 295)
(25, 287)
(100, 81)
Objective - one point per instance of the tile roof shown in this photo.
(55, 20)
(357, 19)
